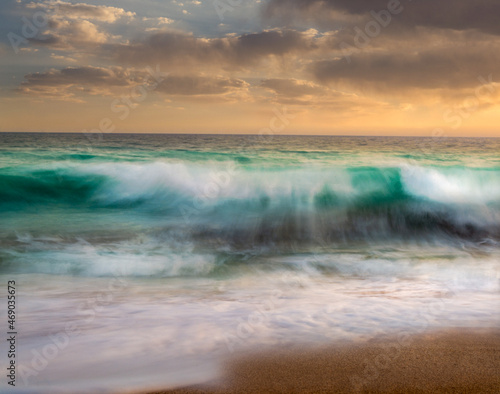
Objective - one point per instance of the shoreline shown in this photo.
(454, 360)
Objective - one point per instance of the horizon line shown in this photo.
(249, 135)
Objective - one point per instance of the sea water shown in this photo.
(143, 261)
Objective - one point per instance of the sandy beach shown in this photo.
(445, 361)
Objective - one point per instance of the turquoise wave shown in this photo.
(319, 187)
(198, 205)
(252, 206)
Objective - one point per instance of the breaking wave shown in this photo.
(252, 206)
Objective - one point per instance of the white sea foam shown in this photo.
(223, 180)
(214, 182)
(464, 186)
(149, 334)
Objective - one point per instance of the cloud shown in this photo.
(293, 87)
(444, 66)
(200, 85)
(158, 21)
(77, 26)
(116, 76)
(82, 10)
(73, 82)
(71, 34)
(448, 14)
(307, 94)
(433, 46)
(70, 82)
(179, 49)
(65, 59)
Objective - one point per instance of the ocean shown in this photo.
(143, 261)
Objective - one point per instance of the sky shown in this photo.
(340, 67)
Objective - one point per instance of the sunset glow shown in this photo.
(337, 67)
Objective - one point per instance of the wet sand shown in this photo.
(447, 361)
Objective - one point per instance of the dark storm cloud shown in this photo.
(448, 14)
(441, 68)
(425, 44)
(181, 49)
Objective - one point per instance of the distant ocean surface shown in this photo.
(168, 253)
